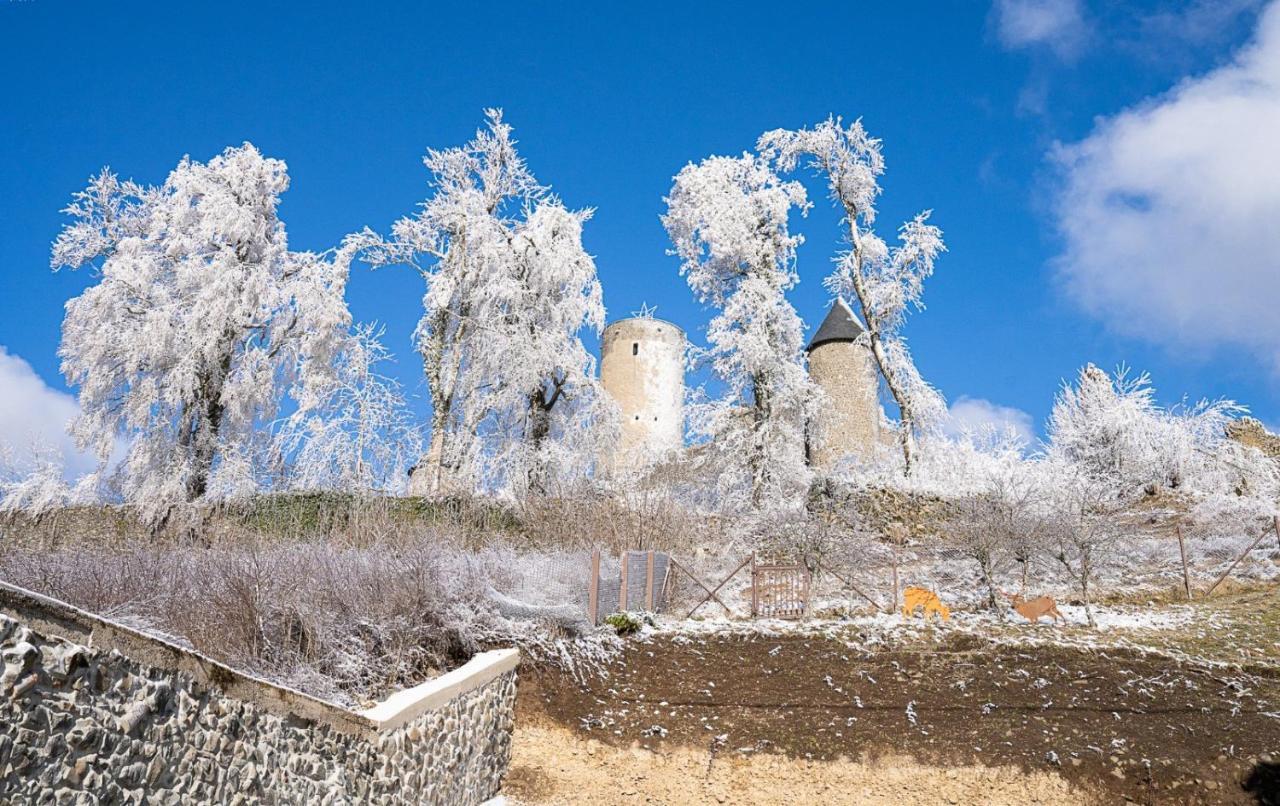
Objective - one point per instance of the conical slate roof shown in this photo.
(841, 324)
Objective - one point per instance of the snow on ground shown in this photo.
(1109, 618)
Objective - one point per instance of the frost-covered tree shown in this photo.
(1081, 518)
(1106, 427)
(728, 219)
(199, 320)
(885, 280)
(1112, 429)
(36, 484)
(509, 289)
(352, 431)
(994, 520)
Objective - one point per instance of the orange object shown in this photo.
(916, 598)
(1033, 609)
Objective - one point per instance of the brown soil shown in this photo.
(759, 719)
(552, 765)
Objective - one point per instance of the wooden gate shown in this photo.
(779, 591)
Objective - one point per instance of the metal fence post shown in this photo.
(648, 582)
(622, 588)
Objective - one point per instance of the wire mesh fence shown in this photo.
(865, 572)
(636, 580)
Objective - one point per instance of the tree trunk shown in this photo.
(992, 602)
(428, 476)
(201, 433)
(758, 460)
(540, 406)
(1084, 594)
(906, 428)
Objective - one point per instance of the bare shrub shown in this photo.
(1085, 530)
(348, 624)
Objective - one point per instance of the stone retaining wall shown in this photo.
(94, 712)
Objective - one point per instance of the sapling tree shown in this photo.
(885, 280)
(992, 524)
(1081, 518)
(199, 320)
(509, 289)
(728, 221)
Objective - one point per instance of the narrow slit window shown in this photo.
(635, 348)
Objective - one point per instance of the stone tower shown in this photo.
(642, 368)
(849, 420)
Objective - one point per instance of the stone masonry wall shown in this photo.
(642, 369)
(849, 421)
(82, 723)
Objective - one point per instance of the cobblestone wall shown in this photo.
(849, 421)
(82, 723)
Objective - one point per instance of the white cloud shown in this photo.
(1170, 211)
(970, 414)
(1196, 22)
(32, 414)
(1058, 25)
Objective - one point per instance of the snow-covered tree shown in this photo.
(1106, 427)
(509, 289)
(199, 320)
(36, 484)
(885, 280)
(1114, 431)
(997, 520)
(728, 219)
(1081, 518)
(352, 431)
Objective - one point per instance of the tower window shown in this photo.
(635, 348)
(637, 416)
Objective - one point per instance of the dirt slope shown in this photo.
(762, 719)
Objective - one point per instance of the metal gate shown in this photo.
(779, 591)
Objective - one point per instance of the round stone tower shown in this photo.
(642, 368)
(849, 420)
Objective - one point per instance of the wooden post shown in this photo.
(593, 588)
(1227, 572)
(894, 598)
(806, 585)
(666, 583)
(648, 582)
(755, 588)
(622, 589)
(1186, 573)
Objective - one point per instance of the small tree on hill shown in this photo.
(728, 220)
(1082, 520)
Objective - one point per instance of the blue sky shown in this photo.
(1026, 126)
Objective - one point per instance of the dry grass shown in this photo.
(346, 623)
